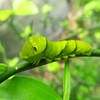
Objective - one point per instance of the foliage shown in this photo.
(26, 88)
(25, 18)
(20, 7)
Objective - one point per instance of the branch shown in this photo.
(19, 68)
(25, 65)
(95, 52)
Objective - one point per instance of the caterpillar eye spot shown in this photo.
(35, 48)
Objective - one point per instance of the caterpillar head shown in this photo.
(33, 46)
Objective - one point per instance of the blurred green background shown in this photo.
(56, 20)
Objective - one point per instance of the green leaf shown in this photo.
(13, 62)
(53, 67)
(92, 6)
(27, 32)
(97, 35)
(5, 14)
(24, 7)
(46, 8)
(26, 88)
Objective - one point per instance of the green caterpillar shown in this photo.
(37, 48)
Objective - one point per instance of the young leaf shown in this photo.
(24, 7)
(5, 14)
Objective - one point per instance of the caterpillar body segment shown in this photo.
(37, 48)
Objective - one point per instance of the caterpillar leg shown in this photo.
(57, 59)
(65, 57)
(48, 60)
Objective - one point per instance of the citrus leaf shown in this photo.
(26, 88)
(53, 67)
(24, 7)
(46, 8)
(5, 14)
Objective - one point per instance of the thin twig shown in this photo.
(25, 66)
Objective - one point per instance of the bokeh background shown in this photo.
(56, 20)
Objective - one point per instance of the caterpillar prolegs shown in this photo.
(37, 48)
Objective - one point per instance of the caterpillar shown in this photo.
(37, 48)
